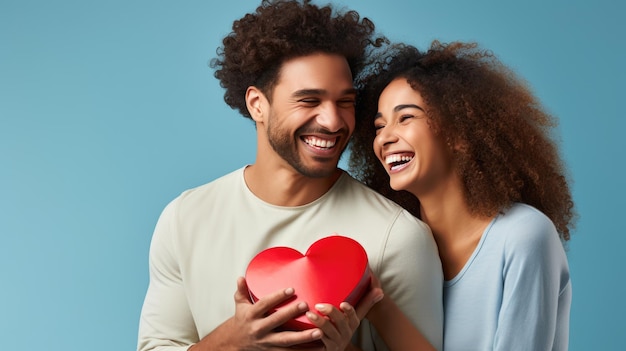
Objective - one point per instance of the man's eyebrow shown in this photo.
(309, 92)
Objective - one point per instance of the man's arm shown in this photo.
(167, 322)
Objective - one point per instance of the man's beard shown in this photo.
(287, 148)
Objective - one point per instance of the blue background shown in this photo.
(108, 110)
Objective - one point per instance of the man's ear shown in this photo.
(256, 102)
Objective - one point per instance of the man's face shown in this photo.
(311, 116)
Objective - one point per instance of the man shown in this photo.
(290, 68)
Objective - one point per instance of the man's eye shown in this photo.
(347, 103)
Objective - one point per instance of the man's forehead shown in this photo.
(316, 74)
(315, 63)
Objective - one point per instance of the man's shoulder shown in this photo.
(363, 200)
(223, 183)
(203, 195)
(352, 189)
(388, 223)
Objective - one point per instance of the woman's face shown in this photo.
(414, 157)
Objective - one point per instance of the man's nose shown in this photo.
(331, 118)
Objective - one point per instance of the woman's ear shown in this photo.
(255, 102)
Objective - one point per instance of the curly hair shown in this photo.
(497, 131)
(260, 42)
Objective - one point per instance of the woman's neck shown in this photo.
(455, 228)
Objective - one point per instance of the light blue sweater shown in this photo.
(514, 293)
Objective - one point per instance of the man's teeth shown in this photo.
(394, 159)
(321, 143)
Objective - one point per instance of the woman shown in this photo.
(460, 141)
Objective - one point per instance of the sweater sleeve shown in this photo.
(166, 322)
(537, 291)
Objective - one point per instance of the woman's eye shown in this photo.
(405, 117)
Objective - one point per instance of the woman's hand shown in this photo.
(337, 325)
(374, 295)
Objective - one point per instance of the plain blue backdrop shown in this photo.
(108, 110)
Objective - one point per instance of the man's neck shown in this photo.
(285, 186)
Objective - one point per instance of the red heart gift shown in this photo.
(334, 269)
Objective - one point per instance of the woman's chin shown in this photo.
(397, 186)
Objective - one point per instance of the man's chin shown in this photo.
(318, 174)
(320, 171)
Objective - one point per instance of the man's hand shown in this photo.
(252, 328)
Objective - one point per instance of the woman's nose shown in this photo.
(385, 136)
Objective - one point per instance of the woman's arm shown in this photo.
(389, 321)
(536, 297)
(395, 328)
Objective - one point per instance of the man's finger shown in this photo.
(268, 302)
(293, 338)
(242, 295)
(286, 313)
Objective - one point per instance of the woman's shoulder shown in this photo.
(521, 216)
(525, 227)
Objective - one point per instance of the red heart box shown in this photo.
(334, 269)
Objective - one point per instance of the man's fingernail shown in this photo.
(316, 334)
(289, 291)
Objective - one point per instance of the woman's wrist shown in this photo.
(377, 313)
